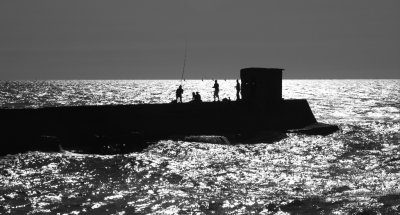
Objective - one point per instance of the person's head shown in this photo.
(215, 81)
(180, 86)
(197, 93)
(237, 80)
(193, 93)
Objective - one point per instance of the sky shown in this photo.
(145, 39)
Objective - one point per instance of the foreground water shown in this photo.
(352, 171)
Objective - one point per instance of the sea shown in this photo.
(353, 171)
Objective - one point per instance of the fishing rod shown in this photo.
(184, 60)
(186, 39)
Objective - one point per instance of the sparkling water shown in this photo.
(353, 170)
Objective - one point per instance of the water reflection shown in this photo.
(172, 177)
(354, 170)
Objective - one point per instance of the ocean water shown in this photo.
(355, 170)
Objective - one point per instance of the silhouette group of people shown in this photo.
(197, 98)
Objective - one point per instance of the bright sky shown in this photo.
(145, 39)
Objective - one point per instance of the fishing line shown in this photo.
(184, 60)
(186, 40)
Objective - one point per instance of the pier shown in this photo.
(130, 127)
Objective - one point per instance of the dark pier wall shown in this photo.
(77, 125)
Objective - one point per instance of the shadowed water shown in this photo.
(352, 171)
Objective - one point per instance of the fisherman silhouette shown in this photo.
(198, 97)
(194, 97)
(179, 93)
(216, 90)
(237, 90)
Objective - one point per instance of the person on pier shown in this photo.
(198, 97)
(194, 97)
(237, 90)
(216, 90)
(179, 93)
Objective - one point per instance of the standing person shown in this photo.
(216, 90)
(179, 93)
(198, 97)
(237, 90)
(194, 97)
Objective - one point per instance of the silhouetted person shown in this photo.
(198, 97)
(194, 97)
(237, 90)
(216, 90)
(179, 93)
